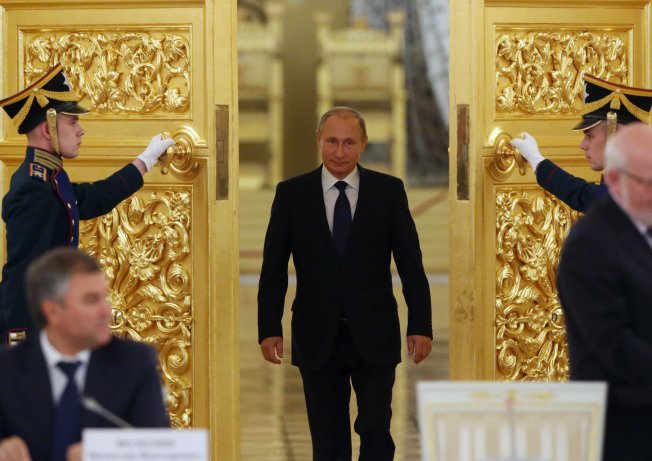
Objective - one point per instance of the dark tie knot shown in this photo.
(648, 231)
(69, 368)
(341, 185)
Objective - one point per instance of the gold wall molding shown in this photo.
(531, 226)
(463, 310)
(540, 72)
(144, 248)
(126, 72)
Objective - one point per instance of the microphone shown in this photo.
(94, 406)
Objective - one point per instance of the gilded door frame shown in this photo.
(207, 141)
(484, 170)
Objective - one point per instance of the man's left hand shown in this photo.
(156, 147)
(74, 452)
(419, 347)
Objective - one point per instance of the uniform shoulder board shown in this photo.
(38, 172)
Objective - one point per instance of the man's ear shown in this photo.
(50, 309)
(612, 180)
(364, 142)
(43, 130)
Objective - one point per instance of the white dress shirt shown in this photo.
(58, 378)
(643, 229)
(331, 192)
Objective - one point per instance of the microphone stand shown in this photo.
(94, 406)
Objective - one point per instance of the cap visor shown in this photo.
(585, 124)
(73, 109)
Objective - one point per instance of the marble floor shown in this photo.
(273, 419)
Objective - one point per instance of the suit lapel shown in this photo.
(99, 385)
(33, 374)
(365, 195)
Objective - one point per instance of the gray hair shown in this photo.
(49, 277)
(343, 110)
(614, 157)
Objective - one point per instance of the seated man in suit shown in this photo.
(606, 294)
(607, 106)
(73, 355)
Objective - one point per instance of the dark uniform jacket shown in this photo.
(356, 286)
(575, 192)
(605, 287)
(42, 211)
(122, 377)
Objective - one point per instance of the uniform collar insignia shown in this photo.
(47, 159)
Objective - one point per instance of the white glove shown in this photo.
(529, 150)
(157, 145)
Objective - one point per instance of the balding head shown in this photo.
(629, 170)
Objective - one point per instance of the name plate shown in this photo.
(145, 444)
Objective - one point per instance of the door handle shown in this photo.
(178, 159)
(506, 158)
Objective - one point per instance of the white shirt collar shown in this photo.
(642, 228)
(53, 356)
(328, 180)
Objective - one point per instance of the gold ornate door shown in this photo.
(517, 66)
(170, 251)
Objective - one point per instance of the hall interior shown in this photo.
(283, 88)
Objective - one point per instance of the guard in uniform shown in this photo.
(43, 207)
(606, 105)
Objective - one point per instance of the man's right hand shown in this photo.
(14, 449)
(529, 149)
(272, 349)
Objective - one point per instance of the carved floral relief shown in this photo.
(117, 72)
(531, 226)
(144, 248)
(540, 72)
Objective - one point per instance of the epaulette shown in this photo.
(38, 172)
(16, 336)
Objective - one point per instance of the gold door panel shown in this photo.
(506, 231)
(171, 250)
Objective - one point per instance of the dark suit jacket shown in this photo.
(356, 286)
(40, 215)
(605, 286)
(122, 376)
(576, 192)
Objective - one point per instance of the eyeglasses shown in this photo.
(636, 178)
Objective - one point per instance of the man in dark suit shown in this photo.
(42, 208)
(605, 287)
(342, 223)
(607, 106)
(74, 355)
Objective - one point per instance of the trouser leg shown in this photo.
(328, 393)
(373, 389)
